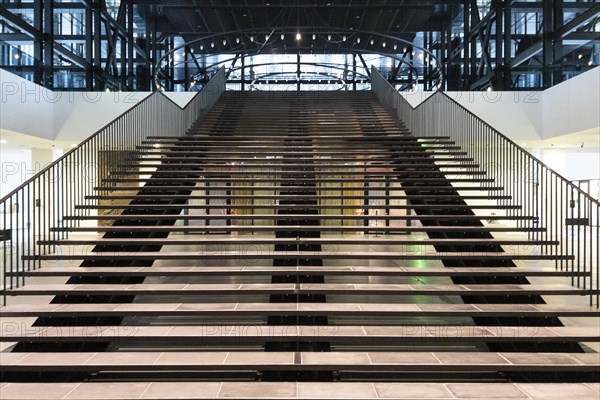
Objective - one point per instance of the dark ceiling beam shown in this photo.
(357, 5)
(237, 27)
(220, 21)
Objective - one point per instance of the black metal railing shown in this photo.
(42, 202)
(568, 214)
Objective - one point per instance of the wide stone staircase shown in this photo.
(298, 245)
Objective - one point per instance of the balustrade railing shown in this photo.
(30, 211)
(568, 214)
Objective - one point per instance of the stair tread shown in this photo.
(293, 288)
(331, 254)
(330, 333)
(299, 216)
(270, 270)
(176, 390)
(267, 309)
(301, 240)
(307, 228)
(356, 361)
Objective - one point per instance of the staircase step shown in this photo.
(292, 228)
(294, 271)
(296, 241)
(240, 289)
(188, 335)
(170, 167)
(303, 361)
(302, 217)
(178, 390)
(363, 310)
(296, 207)
(330, 254)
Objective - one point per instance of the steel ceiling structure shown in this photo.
(479, 44)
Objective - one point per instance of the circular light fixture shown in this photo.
(282, 36)
(395, 47)
(580, 56)
(252, 38)
(383, 44)
(298, 36)
(372, 41)
(344, 38)
(358, 40)
(224, 42)
(266, 37)
(17, 56)
(328, 37)
(201, 47)
(212, 44)
(237, 40)
(314, 36)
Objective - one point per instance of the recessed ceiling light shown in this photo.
(298, 36)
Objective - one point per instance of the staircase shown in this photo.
(299, 245)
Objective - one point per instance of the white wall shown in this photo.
(570, 107)
(30, 109)
(14, 165)
(25, 107)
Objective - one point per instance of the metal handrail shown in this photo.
(568, 214)
(42, 202)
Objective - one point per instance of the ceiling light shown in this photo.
(298, 36)
(237, 39)
(344, 38)
(282, 36)
(224, 42)
(201, 47)
(212, 44)
(17, 56)
(266, 37)
(383, 44)
(357, 40)
(192, 50)
(421, 56)
(590, 63)
(395, 47)
(372, 42)
(579, 56)
(252, 38)
(328, 37)
(2, 141)
(314, 36)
